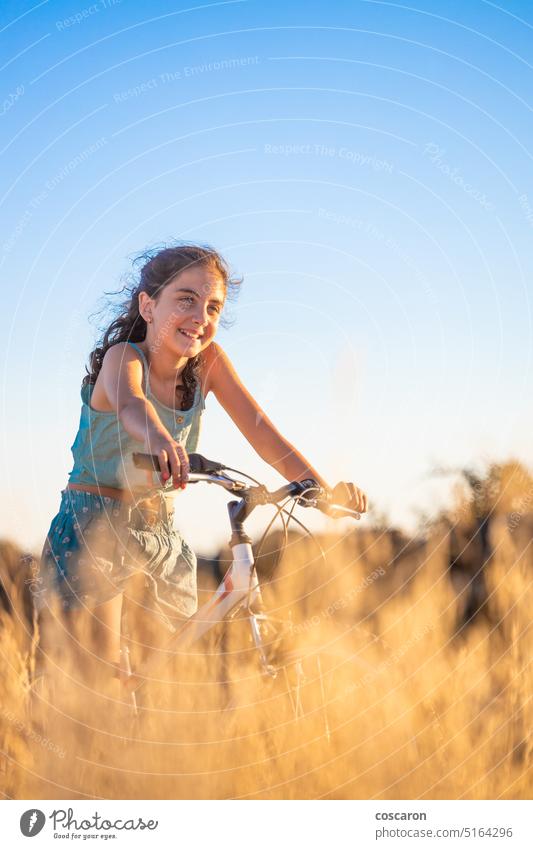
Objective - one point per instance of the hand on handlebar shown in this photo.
(345, 499)
(173, 459)
(346, 494)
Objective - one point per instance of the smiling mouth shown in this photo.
(192, 336)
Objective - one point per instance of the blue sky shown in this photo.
(366, 166)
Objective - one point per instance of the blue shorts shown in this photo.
(96, 543)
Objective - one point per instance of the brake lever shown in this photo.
(229, 484)
(322, 503)
(326, 508)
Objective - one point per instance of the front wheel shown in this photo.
(295, 694)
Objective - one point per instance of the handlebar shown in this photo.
(211, 471)
(198, 464)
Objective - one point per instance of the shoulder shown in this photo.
(120, 354)
(122, 367)
(120, 378)
(216, 361)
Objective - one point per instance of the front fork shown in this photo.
(255, 620)
(241, 544)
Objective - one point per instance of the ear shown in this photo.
(145, 306)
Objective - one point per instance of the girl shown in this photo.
(145, 391)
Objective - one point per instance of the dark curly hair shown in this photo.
(159, 267)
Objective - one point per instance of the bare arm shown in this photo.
(264, 437)
(253, 423)
(122, 377)
(122, 381)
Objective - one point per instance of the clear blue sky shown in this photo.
(366, 166)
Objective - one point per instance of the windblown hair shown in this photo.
(159, 267)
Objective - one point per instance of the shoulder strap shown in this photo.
(199, 396)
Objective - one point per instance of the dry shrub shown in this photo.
(412, 711)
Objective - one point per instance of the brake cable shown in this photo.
(281, 512)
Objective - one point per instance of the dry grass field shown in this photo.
(426, 681)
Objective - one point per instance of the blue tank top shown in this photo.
(103, 449)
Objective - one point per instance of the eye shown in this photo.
(188, 299)
(215, 308)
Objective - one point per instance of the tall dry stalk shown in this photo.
(414, 711)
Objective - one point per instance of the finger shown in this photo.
(342, 494)
(358, 499)
(175, 465)
(185, 467)
(163, 465)
(365, 502)
(347, 495)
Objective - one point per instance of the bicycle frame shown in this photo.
(239, 587)
(239, 584)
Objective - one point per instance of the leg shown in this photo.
(92, 640)
(104, 644)
(74, 645)
(106, 629)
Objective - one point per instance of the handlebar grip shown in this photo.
(308, 491)
(197, 463)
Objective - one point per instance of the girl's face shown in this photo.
(186, 313)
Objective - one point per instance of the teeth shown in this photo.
(189, 335)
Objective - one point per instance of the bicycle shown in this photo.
(239, 593)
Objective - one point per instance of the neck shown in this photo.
(165, 366)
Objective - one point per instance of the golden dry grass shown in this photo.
(414, 710)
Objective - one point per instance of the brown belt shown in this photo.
(150, 507)
(109, 491)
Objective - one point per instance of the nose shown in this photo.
(201, 316)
